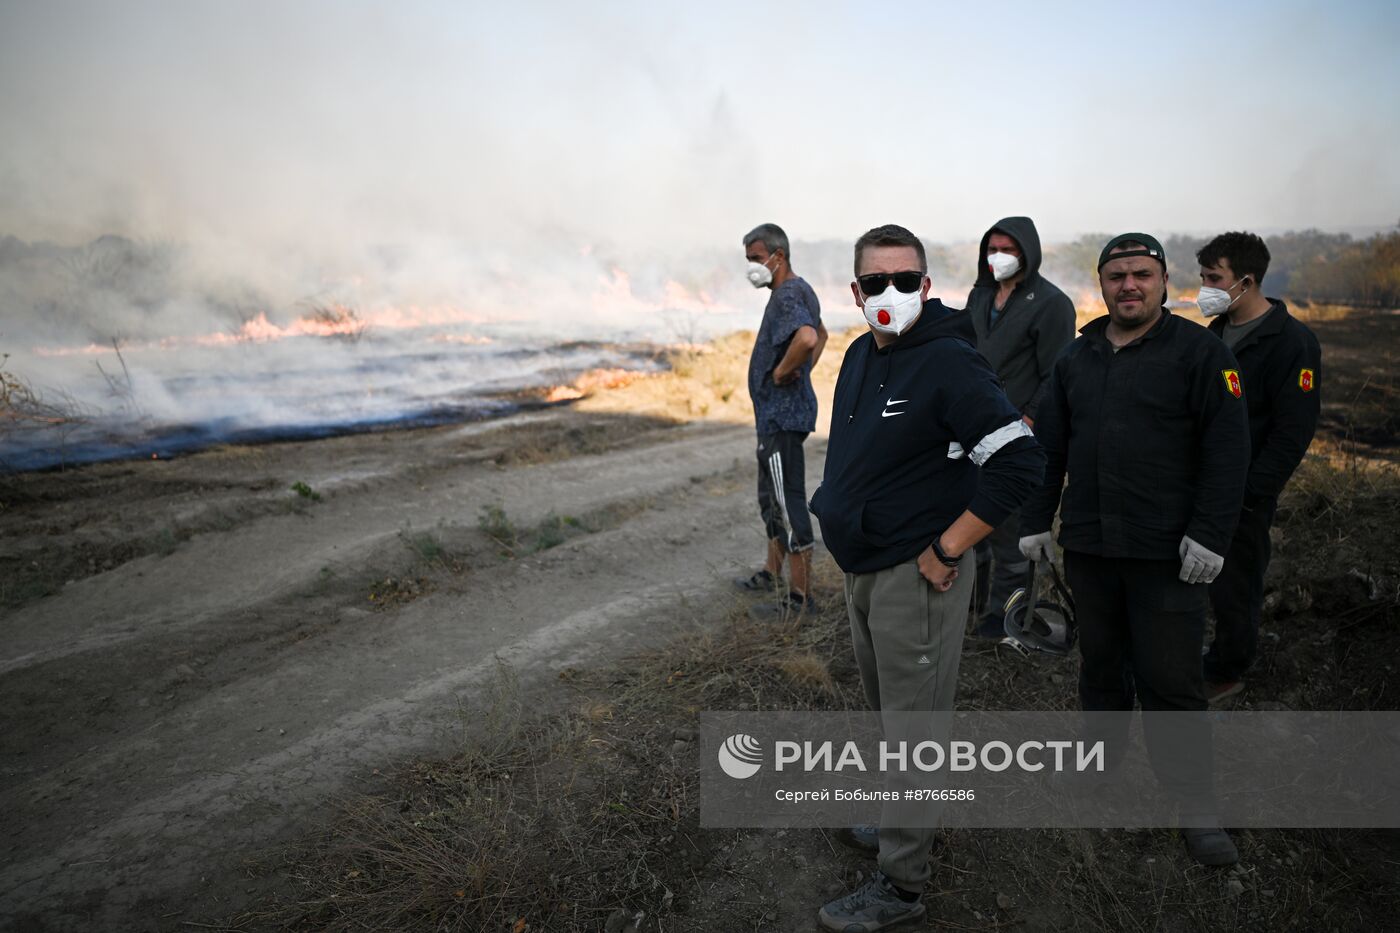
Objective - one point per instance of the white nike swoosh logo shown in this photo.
(892, 401)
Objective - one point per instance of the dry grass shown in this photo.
(573, 821)
(429, 557)
(809, 672)
(1322, 312)
(25, 409)
(550, 441)
(246, 452)
(1330, 633)
(703, 382)
(1360, 391)
(710, 383)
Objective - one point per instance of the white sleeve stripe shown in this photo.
(955, 451)
(999, 439)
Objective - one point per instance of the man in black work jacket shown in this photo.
(926, 456)
(1145, 413)
(1281, 364)
(1022, 322)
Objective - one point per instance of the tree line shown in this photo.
(1310, 266)
(1307, 266)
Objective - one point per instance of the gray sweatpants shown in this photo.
(908, 642)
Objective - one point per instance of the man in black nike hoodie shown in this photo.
(1022, 321)
(926, 457)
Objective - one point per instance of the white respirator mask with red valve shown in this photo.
(892, 311)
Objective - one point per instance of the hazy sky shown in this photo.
(540, 172)
(262, 125)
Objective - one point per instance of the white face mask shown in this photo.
(759, 274)
(1215, 301)
(892, 311)
(1004, 265)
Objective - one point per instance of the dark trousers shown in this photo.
(1237, 595)
(1140, 636)
(1001, 567)
(782, 493)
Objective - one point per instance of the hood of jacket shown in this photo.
(1022, 230)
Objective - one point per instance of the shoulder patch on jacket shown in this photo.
(1306, 379)
(1232, 382)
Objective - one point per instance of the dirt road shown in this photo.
(171, 715)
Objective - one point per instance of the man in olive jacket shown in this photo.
(1022, 322)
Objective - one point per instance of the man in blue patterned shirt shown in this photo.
(790, 341)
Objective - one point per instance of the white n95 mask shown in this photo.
(1214, 301)
(1004, 265)
(759, 274)
(893, 311)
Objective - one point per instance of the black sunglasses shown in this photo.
(877, 282)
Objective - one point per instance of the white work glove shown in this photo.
(1036, 547)
(1198, 564)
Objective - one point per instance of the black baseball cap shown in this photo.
(1150, 248)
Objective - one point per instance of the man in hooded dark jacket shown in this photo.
(1022, 322)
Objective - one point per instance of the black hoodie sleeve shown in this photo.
(1053, 332)
(1008, 478)
(990, 430)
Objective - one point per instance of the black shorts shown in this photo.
(782, 496)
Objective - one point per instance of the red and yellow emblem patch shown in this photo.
(1305, 380)
(1232, 382)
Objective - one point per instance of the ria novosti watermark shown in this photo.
(740, 756)
(1275, 769)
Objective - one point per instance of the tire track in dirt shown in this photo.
(271, 558)
(137, 812)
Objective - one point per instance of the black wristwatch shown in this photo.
(943, 558)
